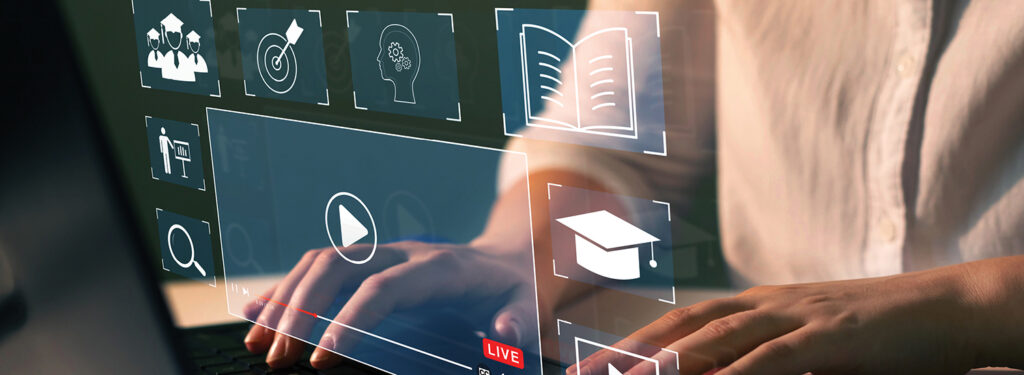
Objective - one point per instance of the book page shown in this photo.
(605, 76)
(549, 80)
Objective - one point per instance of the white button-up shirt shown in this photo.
(849, 138)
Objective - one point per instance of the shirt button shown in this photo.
(905, 65)
(887, 230)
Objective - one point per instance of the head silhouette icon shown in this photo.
(399, 61)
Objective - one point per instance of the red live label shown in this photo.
(508, 355)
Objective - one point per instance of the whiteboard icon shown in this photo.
(609, 246)
(589, 91)
(351, 229)
(184, 154)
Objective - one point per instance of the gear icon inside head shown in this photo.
(396, 52)
(399, 61)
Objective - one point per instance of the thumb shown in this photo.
(516, 323)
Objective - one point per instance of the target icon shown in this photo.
(276, 61)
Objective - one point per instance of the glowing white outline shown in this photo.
(199, 137)
(327, 212)
(227, 295)
(668, 208)
(142, 82)
(209, 231)
(504, 123)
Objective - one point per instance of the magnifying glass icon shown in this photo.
(192, 250)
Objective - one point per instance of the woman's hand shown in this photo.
(930, 322)
(400, 275)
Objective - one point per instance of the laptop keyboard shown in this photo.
(220, 350)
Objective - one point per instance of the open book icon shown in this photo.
(591, 91)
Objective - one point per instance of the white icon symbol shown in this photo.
(613, 371)
(192, 249)
(179, 150)
(399, 61)
(175, 64)
(580, 94)
(245, 291)
(276, 61)
(352, 230)
(609, 246)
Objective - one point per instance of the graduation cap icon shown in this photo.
(607, 245)
(192, 36)
(153, 34)
(171, 23)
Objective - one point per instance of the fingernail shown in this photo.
(250, 337)
(511, 331)
(327, 341)
(277, 350)
(254, 339)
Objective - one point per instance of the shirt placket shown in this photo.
(886, 237)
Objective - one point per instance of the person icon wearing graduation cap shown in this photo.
(174, 65)
(195, 60)
(153, 61)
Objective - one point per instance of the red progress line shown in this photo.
(285, 305)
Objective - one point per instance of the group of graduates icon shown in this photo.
(175, 64)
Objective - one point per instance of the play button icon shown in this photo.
(351, 229)
(349, 225)
(613, 371)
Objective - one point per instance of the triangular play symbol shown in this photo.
(613, 371)
(351, 229)
(407, 224)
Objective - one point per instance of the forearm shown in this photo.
(995, 289)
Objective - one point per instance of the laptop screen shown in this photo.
(420, 186)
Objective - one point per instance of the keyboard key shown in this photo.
(239, 353)
(252, 361)
(228, 368)
(197, 353)
(212, 361)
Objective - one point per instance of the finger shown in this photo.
(253, 308)
(512, 323)
(439, 274)
(314, 294)
(724, 340)
(662, 332)
(794, 353)
(284, 350)
(318, 288)
(274, 303)
(259, 337)
(297, 318)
